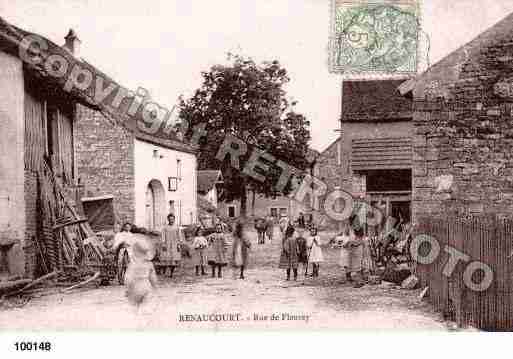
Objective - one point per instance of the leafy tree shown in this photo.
(247, 100)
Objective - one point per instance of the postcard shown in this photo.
(198, 166)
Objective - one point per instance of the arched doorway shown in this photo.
(155, 205)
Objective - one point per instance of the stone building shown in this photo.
(264, 206)
(274, 206)
(37, 118)
(259, 206)
(372, 158)
(147, 177)
(463, 129)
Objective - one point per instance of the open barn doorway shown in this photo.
(391, 192)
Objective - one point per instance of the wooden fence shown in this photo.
(485, 240)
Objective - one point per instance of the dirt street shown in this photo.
(264, 300)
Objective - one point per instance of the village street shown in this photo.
(327, 303)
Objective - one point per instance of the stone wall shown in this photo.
(463, 154)
(105, 161)
(329, 165)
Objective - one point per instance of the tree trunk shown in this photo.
(243, 199)
(253, 203)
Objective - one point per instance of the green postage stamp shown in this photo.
(374, 37)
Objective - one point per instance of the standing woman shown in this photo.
(316, 256)
(217, 251)
(240, 249)
(287, 233)
(171, 237)
(343, 240)
(367, 263)
(292, 255)
(354, 256)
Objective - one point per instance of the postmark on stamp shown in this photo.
(379, 37)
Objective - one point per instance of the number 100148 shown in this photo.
(33, 346)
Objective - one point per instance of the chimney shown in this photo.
(72, 43)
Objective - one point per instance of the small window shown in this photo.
(274, 212)
(231, 211)
(172, 184)
(283, 211)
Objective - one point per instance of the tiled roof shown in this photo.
(376, 100)
(11, 38)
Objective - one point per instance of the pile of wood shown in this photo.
(70, 255)
(73, 243)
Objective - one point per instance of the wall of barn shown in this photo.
(44, 116)
(105, 161)
(12, 191)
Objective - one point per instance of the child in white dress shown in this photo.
(140, 276)
(315, 251)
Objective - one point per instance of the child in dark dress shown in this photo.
(302, 249)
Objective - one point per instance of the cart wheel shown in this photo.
(123, 261)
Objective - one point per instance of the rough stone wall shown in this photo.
(463, 158)
(105, 161)
(329, 166)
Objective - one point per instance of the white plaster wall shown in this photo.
(148, 167)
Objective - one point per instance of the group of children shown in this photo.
(264, 228)
(300, 248)
(213, 250)
(210, 250)
(355, 255)
(304, 246)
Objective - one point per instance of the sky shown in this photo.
(164, 45)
